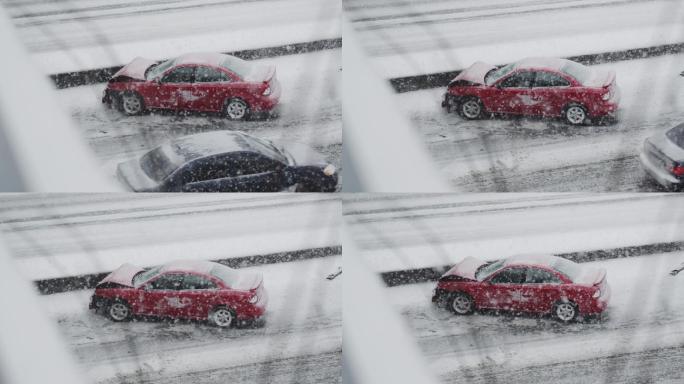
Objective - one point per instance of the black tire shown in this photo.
(236, 109)
(222, 317)
(461, 303)
(565, 311)
(119, 310)
(131, 103)
(575, 114)
(471, 108)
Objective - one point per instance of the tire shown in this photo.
(471, 108)
(565, 311)
(575, 114)
(222, 317)
(119, 310)
(236, 109)
(132, 103)
(461, 304)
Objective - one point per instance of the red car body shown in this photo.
(183, 289)
(534, 87)
(202, 82)
(534, 284)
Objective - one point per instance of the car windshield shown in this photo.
(568, 268)
(676, 135)
(226, 274)
(487, 269)
(240, 67)
(578, 71)
(157, 69)
(160, 162)
(143, 276)
(495, 74)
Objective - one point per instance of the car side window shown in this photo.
(210, 75)
(548, 79)
(522, 79)
(172, 282)
(191, 281)
(250, 163)
(180, 75)
(541, 276)
(509, 276)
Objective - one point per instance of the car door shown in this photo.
(504, 289)
(210, 90)
(175, 87)
(199, 293)
(242, 171)
(159, 295)
(540, 290)
(550, 91)
(513, 94)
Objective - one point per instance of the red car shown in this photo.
(534, 87)
(534, 284)
(200, 290)
(202, 82)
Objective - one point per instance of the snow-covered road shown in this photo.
(425, 36)
(642, 336)
(548, 155)
(309, 113)
(75, 35)
(301, 341)
(65, 235)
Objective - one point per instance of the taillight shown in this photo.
(597, 294)
(677, 170)
(267, 91)
(254, 298)
(606, 96)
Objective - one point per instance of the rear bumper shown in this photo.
(658, 174)
(599, 305)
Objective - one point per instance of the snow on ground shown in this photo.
(397, 232)
(646, 314)
(85, 34)
(65, 235)
(513, 154)
(309, 113)
(301, 341)
(416, 37)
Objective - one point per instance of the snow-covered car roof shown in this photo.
(213, 143)
(542, 62)
(197, 266)
(208, 58)
(535, 259)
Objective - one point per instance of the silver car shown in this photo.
(663, 157)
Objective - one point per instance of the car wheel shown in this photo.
(222, 317)
(565, 311)
(471, 108)
(575, 114)
(119, 310)
(461, 304)
(132, 103)
(236, 109)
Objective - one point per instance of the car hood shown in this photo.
(666, 146)
(135, 69)
(302, 154)
(466, 268)
(132, 175)
(247, 281)
(123, 275)
(475, 73)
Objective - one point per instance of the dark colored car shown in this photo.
(227, 161)
(662, 157)
(538, 284)
(534, 87)
(199, 290)
(201, 82)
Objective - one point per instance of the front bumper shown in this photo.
(98, 303)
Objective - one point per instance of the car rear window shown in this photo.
(240, 67)
(160, 162)
(225, 274)
(568, 268)
(676, 135)
(578, 71)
